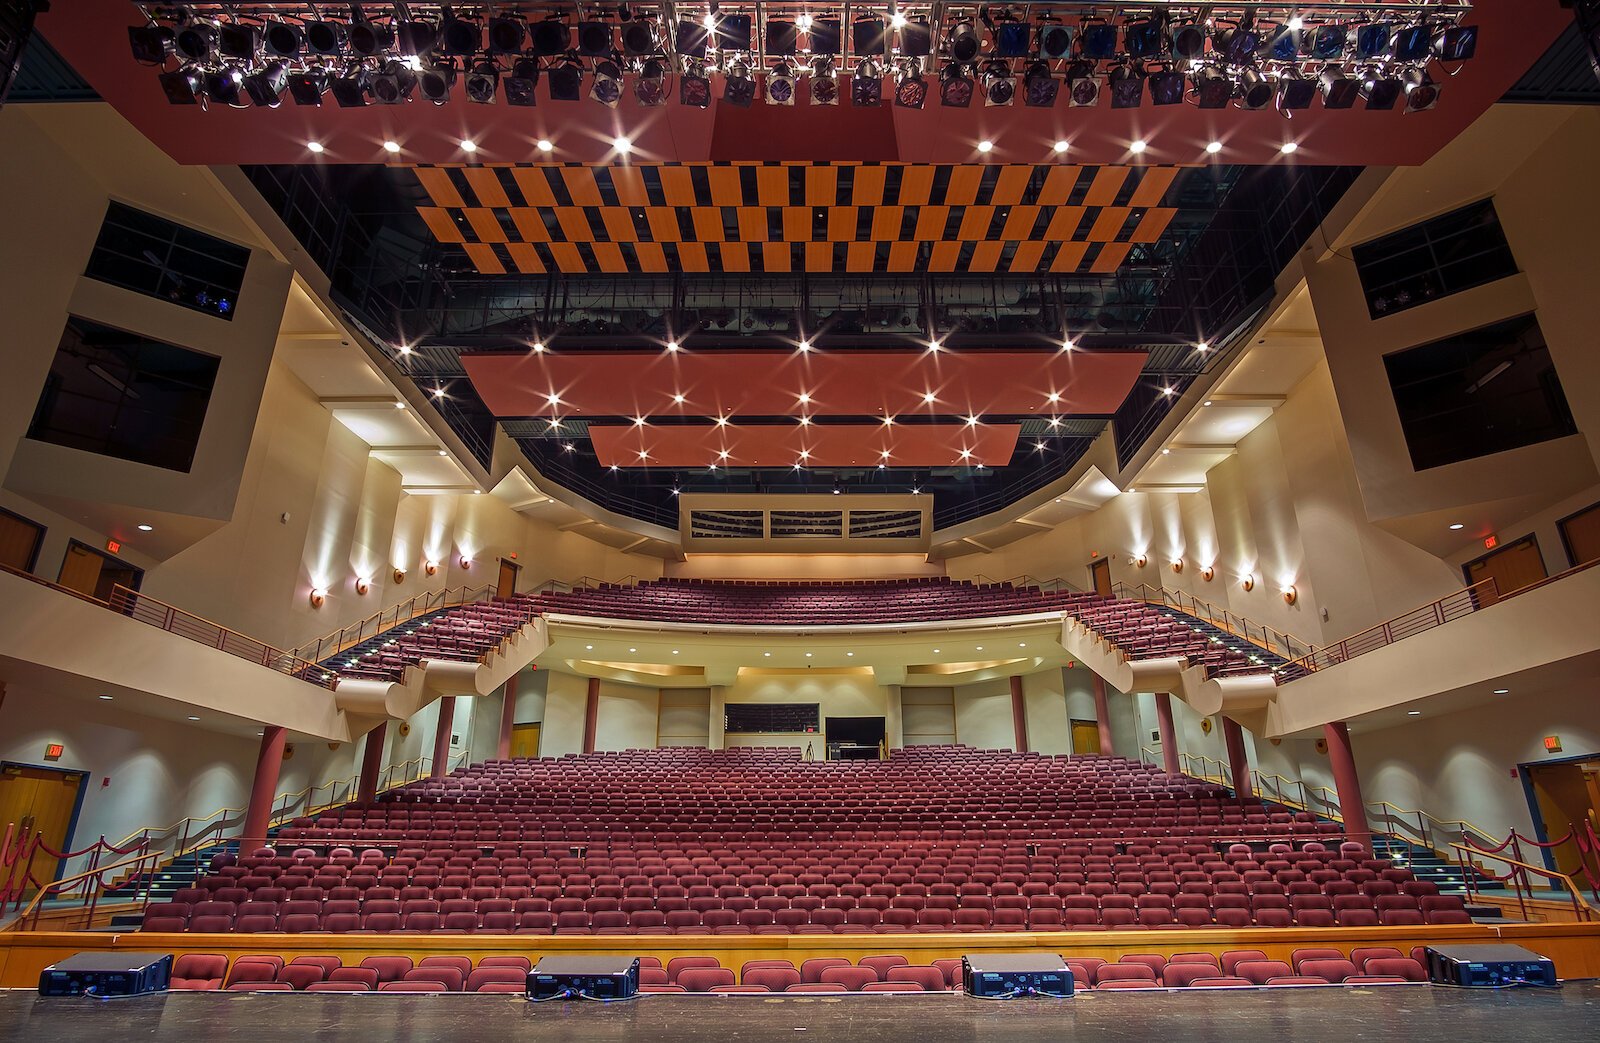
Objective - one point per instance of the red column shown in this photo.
(372, 763)
(1169, 734)
(1348, 784)
(508, 717)
(591, 715)
(441, 737)
(258, 815)
(1019, 714)
(1102, 715)
(1237, 760)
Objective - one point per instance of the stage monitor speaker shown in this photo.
(1007, 975)
(590, 977)
(107, 974)
(1488, 966)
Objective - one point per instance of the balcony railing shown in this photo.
(1286, 646)
(352, 634)
(1435, 614)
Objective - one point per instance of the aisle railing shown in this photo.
(1437, 613)
(352, 634)
(1279, 643)
(1518, 877)
(90, 885)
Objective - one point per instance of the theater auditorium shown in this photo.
(889, 521)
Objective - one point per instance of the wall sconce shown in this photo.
(1208, 572)
(1249, 582)
(466, 562)
(363, 585)
(399, 575)
(1141, 561)
(318, 596)
(430, 567)
(1290, 595)
(1177, 565)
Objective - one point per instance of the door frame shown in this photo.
(1505, 545)
(1525, 776)
(1561, 530)
(516, 570)
(1098, 563)
(1072, 726)
(77, 803)
(138, 573)
(33, 561)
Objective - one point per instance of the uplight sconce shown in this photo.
(466, 562)
(1290, 595)
(1208, 572)
(1249, 582)
(318, 596)
(1141, 561)
(399, 575)
(363, 585)
(1177, 565)
(430, 567)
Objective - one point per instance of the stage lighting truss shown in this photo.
(1282, 55)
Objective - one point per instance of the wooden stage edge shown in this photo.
(1574, 947)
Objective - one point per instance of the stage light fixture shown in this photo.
(460, 36)
(506, 35)
(522, 84)
(866, 86)
(868, 36)
(824, 82)
(1330, 42)
(1339, 91)
(150, 44)
(369, 39)
(1255, 90)
(733, 32)
(1294, 90)
(694, 86)
(415, 37)
(551, 36)
(1011, 38)
(1189, 41)
(307, 88)
(1145, 38)
(824, 35)
(1055, 41)
(606, 87)
(224, 86)
(1237, 44)
(783, 37)
(483, 79)
(910, 89)
(738, 88)
(998, 86)
(1456, 43)
(1412, 43)
(282, 39)
(325, 38)
(435, 82)
(692, 38)
(780, 84)
(916, 38)
(1083, 87)
(565, 80)
(1167, 87)
(183, 86)
(392, 83)
(195, 40)
(962, 41)
(1213, 89)
(1422, 93)
(1373, 40)
(265, 86)
(350, 88)
(1097, 41)
(651, 86)
(639, 38)
(1039, 88)
(955, 86)
(238, 40)
(595, 39)
(1382, 92)
(1127, 86)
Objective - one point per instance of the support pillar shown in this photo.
(715, 738)
(264, 790)
(591, 715)
(1352, 808)
(1102, 715)
(1238, 762)
(894, 728)
(1169, 734)
(1019, 714)
(441, 737)
(508, 718)
(372, 763)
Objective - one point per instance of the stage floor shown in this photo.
(1417, 1015)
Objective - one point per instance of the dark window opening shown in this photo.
(119, 394)
(155, 257)
(1434, 259)
(771, 717)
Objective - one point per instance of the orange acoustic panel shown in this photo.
(813, 445)
(820, 383)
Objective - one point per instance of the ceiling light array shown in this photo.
(1212, 56)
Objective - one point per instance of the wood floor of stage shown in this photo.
(1282, 1015)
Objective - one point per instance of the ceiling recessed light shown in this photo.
(633, 650)
(674, 651)
(808, 655)
(678, 398)
(928, 397)
(1290, 148)
(1413, 713)
(314, 146)
(391, 146)
(986, 145)
(767, 655)
(544, 145)
(468, 145)
(980, 648)
(1214, 147)
(1022, 644)
(193, 718)
(106, 698)
(622, 145)
(804, 345)
(935, 651)
(1166, 391)
(1137, 147)
(1203, 346)
(1062, 146)
(1207, 402)
(146, 528)
(1067, 344)
(805, 398)
(1502, 691)
(672, 345)
(850, 654)
(1456, 525)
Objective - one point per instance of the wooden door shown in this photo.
(1100, 577)
(80, 569)
(19, 542)
(1565, 800)
(508, 579)
(40, 800)
(525, 740)
(1511, 567)
(1581, 534)
(1085, 737)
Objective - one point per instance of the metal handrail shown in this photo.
(93, 883)
(1519, 879)
(352, 634)
(1436, 613)
(159, 614)
(1279, 643)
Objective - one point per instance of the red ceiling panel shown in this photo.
(782, 445)
(750, 383)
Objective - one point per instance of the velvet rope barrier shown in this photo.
(1571, 835)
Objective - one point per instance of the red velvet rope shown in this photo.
(1467, 840)
(1554, 843)
(140, 846)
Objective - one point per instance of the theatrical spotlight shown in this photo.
(506, 35)
(392, 83)
(998, 86)
(651, 86)
(1422, 93)
(824, 35)
(869, 36)
(460, 36)
(482, 81)
(1294, 90)
(1039, 88)
(282, 39)
(1374, 40)
(916, 38)
(1055, 41)
(1237, 44)
(368, 39)
(183, 86)
(606, 88)
(150, 44)
(1382, 92)
(1083, 88)
(824, 82)
(523, 82)
(435, 82)
(780, 84)
(1255, 90)
(307, 88)
(910, 89)
(1212, 87)
(223, 86)
(350, 88)
(866, 86)
(550, 37)
(962, 41)
(238, 40)
(955, 86)
(694, 86)
(595, 39)
(566, 80)
(1456, 43)
(325, 38)
(1127, 86)
(1166, 87)
(639, 38)
(1189, 41)
(265, 87)
(733, 32)
(739, 88)
(783, 37)
(1339, 91)
(1011, 39)
(415, 37)
(1145, 38)
(1412, 43)
(1330, 42)
(1098, 41)
(692, 38)
(195, 40)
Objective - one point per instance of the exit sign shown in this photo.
(113, 546)
(1552, 743)
(1491, 542)
(54, 751)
